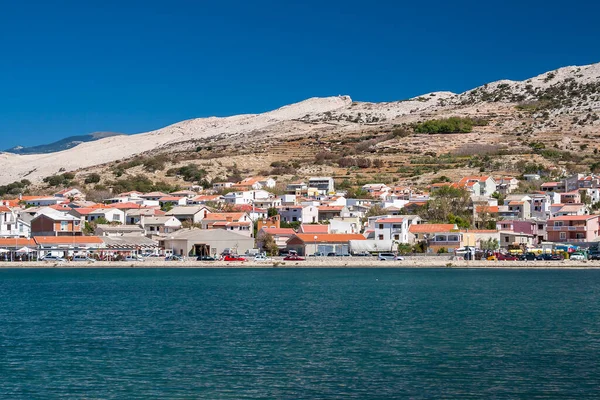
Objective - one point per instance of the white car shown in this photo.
(50, 257)
(577, 256)
(83, 258)
(261, 258)
(134, 258)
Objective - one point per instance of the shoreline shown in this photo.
(416, 262)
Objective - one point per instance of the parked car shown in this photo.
(505, 257)
(174, 258)
(318, 254)
(233, 257)
(549, 257)
(294, 257)
(206, 258)
(528, 257)
(332, 255)
(594, 256)
(50, 257)
(133, 258)
(261, 258)
(387, 257)
(83, 258)
(577, 256)
(363, 254)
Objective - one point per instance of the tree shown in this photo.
(450, 205)
(269, 245)
(92, 178)
(404, 248)
(490, 244)
(271, 212)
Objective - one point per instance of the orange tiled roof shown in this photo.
(308, 228)
(431, 228)
(329, 237)
(20, 242)
(389, 220)
(67, 239)
(489, 209)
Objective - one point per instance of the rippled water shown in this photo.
(291, 334)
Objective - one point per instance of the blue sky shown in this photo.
(75, 67)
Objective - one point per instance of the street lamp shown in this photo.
(316, 237)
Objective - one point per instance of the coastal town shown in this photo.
(476, 216)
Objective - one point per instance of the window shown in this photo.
(506, 239)
(558, 223)
(380, 226)
(396, 237)
(563, 235)
(453, 238)
(380, 237)
(441, 238)
(64, 225)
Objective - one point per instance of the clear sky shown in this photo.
(75, 67)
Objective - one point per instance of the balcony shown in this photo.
(581, 228)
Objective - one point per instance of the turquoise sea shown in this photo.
(299, 334)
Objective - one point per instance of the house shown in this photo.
(246, 197)
(518, 231)
(172, 201)
(197, 242)
(395, 229)
(184, 193)
(573, 228)
(323, 185)
(203, 199)
(305, 244)
(297, 188)
(552, 186)
(329, 212)
(11, 225)
(487, 184)
(436, 236)
(237, 222)
(570, 209)
(306, 214)
(153, 196)
(45, 201)
(218, 186)
(570, 197)
(515, 207)
(163, 225)
(67, 246)
(532, 177)
(268, 222)
(271, 202)
(193, 214)
(55, 223)
(93, 214)
(255, 183)
(119, 230)
(540, 205)
(506, 185)
(345, 225)
(134, 216)
(280, 235)
(70, 193)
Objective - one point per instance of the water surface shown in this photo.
(299, 333)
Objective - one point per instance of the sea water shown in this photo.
(299, 333)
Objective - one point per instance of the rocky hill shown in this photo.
(60, 145)
(550, 121)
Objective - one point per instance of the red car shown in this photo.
(293, 257)
(231, 257)
(506, 257)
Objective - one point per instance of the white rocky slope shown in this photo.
(565, 88)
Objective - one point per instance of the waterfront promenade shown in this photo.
(325, 262)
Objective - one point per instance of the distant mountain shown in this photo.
(62, 144)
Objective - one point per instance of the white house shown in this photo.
(193, 214)
(11, 225)
(160, 225)
(308, 214)
(324, 185)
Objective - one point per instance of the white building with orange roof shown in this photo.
(237, 222)
(307, 214)
(11, 225)
(70, 193)
(506, 184)
(255, 183)
(486, 184)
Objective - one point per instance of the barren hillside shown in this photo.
(551, 119)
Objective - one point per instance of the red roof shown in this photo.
(307, 228)
(19, 242)
(489, 209)
(67, 240)
(573, 218)
(389, 220)
(329, 237)
(279, 231)
(431, 228)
